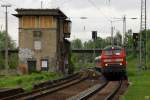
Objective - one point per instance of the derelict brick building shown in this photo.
(42, 43)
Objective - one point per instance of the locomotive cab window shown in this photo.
(108, 53)
(117, 52)
(112, 52)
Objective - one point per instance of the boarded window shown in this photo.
(28, 21)
(37, 45)
(46, 21)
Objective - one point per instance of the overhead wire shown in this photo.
(65, 2)
(94, 5)
(58, 3)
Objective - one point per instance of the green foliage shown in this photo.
(85, 60)
(13, 58)
(118, 39)
(71, 64)
(88, 44)
(13, 61)
(2, 40)
(11, 43)
(27, 81)
(2, 61)
(139, 82)
(76, 44)
(128, 40)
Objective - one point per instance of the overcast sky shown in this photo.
(99, 13)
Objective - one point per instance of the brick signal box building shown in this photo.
(42, 43)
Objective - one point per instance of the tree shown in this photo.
(76, 44)
(11, 43)
(128, 41)
(13, 59)
(118, 39)
(108, 40)
(89, 44)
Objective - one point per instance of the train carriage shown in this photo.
(98, 63)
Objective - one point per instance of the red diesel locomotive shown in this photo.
(113, 62)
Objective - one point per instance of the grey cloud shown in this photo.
(78, 8)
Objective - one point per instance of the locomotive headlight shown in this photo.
(119, 60)
(106, 64)
(121, 64)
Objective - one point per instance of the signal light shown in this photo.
(135, 36)
(135, 39)
(94, 35)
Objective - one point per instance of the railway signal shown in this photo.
(94, 35)
(135, 40)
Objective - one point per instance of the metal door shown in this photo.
(31, 66)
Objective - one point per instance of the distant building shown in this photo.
(42, 43)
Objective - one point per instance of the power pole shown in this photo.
(94, 37)
(1, 28)
(143, 52)
(146, 50)
(6, 37)
(41, 4)
(124, 30)
(112, 33)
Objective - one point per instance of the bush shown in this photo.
(12, 61)
(19, 81)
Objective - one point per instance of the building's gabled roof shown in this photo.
(37, 12)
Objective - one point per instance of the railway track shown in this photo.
(40, 87)
(114, 92)
(9, 92)
(81, 80)
(105, 91)
(70, 91)
(85, 85)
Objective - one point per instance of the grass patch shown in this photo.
(140, 82)
(27, 81)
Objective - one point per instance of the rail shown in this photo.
(110, 97)
(38, 89)
(89, 92)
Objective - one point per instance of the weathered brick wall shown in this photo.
(48, 50)
(48, 26)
